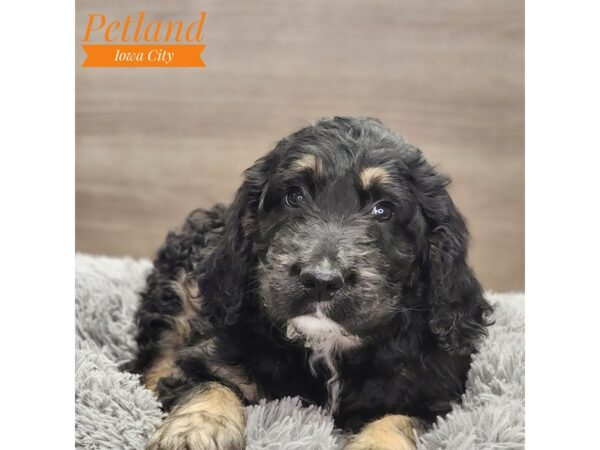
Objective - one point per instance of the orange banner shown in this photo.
(143, 56)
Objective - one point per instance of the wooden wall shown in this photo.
(152, 144)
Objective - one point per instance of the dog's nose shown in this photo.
(321, 283)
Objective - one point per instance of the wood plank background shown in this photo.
(152, 144)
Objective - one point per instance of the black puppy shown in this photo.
(338, 274)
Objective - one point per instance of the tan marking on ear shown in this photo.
(210, 418)
(187, 290)
(391, 432)
(171, 341)
(164, 366)
(372, 175)
(308, 162)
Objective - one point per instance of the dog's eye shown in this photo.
(382, 211)
(294, 197)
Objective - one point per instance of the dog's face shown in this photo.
(335, 229)
(335, 239)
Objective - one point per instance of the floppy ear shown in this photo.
(227, 274)
(459, 312)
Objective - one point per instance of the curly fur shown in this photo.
(224, 299)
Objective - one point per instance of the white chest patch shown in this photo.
(327, 340)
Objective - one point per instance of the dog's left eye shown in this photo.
(382, 211)
(294, 197)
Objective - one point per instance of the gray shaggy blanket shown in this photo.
(113, 411)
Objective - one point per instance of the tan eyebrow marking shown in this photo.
(372, 175)
(308, 162)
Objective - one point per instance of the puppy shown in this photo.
(337, 274)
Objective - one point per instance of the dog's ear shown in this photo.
(226, 278)
(459, 313)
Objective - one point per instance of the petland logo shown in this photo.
(139, 42)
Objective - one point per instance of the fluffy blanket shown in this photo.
(114, 411)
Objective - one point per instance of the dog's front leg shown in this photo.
(211, 417)
(392, 432)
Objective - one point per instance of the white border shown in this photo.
(562, 221)
(37, 224)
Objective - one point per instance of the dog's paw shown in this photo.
(198, 431)
(399, 442)
(392, 432)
